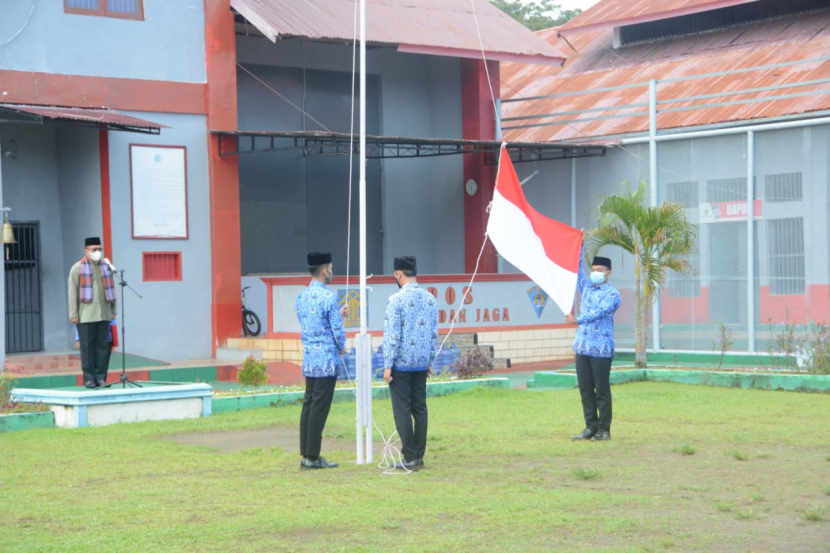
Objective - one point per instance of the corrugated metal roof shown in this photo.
(617, 13)
(448, 24)
(94, 116)
(598, 65)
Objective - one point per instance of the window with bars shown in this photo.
(786, 256)
(784, 187)
(162, 266)
(125, 9)
(683, 193)
(686, 285)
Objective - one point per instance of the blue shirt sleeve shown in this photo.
(608, 305)
(581, 279)
(391, 333)
(338, 330)
(434, 343)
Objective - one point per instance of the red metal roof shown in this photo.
(96, 116)
(598, 65)
(440, 27)
(618, 13)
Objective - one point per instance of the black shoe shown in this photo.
(101, 383)
(601, 436)
(90, 384)
(584, 435)
(421, 462)
(319, 463)
(411, 466)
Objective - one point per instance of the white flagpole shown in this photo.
(364, 344)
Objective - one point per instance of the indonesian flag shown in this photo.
(545, 250)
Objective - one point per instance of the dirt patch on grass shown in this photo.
(286, 438)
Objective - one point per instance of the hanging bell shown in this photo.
(8, 232)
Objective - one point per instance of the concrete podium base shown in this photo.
(79, 409)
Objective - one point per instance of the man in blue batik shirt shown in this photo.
(594, 347)
(410, 342)
(324, 339)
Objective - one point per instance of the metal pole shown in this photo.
(573, 192)
(730, 130)
(750, 240)
(3, 344)
(364, 397)
(498, 119)
(652, 170)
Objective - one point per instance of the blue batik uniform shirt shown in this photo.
(322, 331)
(410, 331)
(595, 335)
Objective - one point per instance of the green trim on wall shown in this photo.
(256, 401)
(786, 382)
(26, 421)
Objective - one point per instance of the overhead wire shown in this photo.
(275, 91)
(25, 23)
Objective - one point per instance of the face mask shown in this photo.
(398, 282)
(330, 277)
(96, 256)
(597, 277)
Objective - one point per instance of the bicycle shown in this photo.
(250, 321)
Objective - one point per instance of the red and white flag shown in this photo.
(545, 250)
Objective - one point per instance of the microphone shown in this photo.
(110, 265)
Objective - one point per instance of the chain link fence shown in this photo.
(784, 278)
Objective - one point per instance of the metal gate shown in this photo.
(24, 313)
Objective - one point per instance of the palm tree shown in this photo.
(657, 237)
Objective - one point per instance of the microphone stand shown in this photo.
(123, 380)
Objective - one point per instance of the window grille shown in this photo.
(786, 256)
(785, 187)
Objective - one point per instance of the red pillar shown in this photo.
(478, 121)
(225, 241)
(106, 203)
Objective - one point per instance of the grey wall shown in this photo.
(292, 204)
(420, 96)
(79, 179)
(32, 190)
(173, 319)
(2, 280)
(56, 181)
(168, 45)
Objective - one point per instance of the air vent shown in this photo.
(162, 266)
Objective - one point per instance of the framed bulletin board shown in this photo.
(158, 186)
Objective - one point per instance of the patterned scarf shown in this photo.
(86, 281)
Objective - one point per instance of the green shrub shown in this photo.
(7, 382)
(253, 373)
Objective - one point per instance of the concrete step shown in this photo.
(238, 355)
(33, 364)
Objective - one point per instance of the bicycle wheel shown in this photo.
(250, 323)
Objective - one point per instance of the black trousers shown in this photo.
(316, 405)
(96, 349)
(409, 403)
(594, 375)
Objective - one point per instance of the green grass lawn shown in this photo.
(688, 469)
